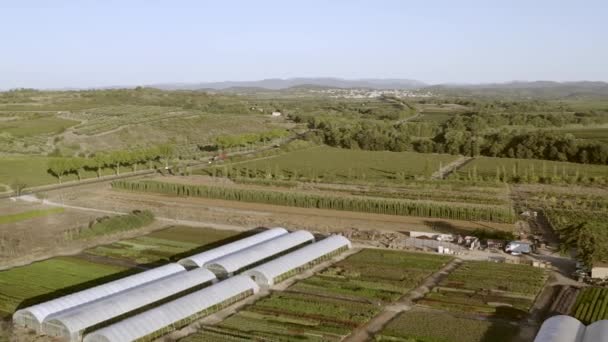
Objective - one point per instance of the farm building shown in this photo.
(599, 271)
(563, 328)
(70, 325)
(229, 264)
(198, 260)
(33, 316)
(277, 270)
(163, 319)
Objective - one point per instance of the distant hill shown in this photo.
(536, 89)
(278, 84)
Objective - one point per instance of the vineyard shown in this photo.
(441, 327)
(591, 305)
(531, 171)
(328, 306)
(493, 289)
(342, 165)
(322, 201)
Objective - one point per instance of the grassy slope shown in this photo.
(36, 126)
(29, 215)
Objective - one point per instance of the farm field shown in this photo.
(376, 276)
(58, 276)
(11, 218)
(423, 326)
(600, 134)
(328, 306)
(32, 171)
(509, 292)
(304, 199)
(526, 170)
(329, 163)
(163, 245)
(591, 305)
(49, 279)
(34, 124)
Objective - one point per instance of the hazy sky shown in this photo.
(100, 43)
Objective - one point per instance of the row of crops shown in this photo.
(591, 305)
(328, 306)
(322, 201)
(486, 288)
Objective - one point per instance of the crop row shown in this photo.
(312, 200)
(591, 305)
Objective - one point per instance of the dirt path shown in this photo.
(451, 167)
(376, 324)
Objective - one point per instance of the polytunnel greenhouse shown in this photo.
(33, 316)
(198, 260)
(71, 324)
(288, 265)
(173, 315)
(228, 265)
(563, 328)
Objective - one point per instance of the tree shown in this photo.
(58, 167)
(99, 161)
(76, 165)
(18, 186)
(166, 152)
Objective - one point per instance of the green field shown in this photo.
(49, 279)
(58, 276)
(329, 163)
(32, 171)
(600, 134)
(328, 306)
(163, 245)
(591, 305)
(377, 276)
(529, 170)
(36, 125)
(494, 289)
(12, 218)
(441, 327)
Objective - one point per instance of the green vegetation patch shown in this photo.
(531, 171)
(110, 225)
(441, 327)
(373, 275)
(343, 164)
(591, 305)
(52, 278)
(163, 245)
(36, 125)
(12, 218)
(493, 289)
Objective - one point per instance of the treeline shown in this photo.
(109, 225)
(62, 166)
(309, 200)
(228, 141)
(462, 134)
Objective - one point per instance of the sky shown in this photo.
(80, 43)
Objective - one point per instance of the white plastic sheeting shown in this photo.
(561, 328)
(33, 316)
(265, 273)
(231, 263)
(150, 321)
(597, 332)
(198, 260)
(70, 324)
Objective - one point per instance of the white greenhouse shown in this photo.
(288, 265)
(563, 328)
(71, 324)
(33, 316)
(228, 265)
(198, 260)
(163, 319)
